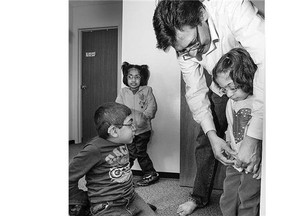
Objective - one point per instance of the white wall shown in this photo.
(87, 14)
(139, 47)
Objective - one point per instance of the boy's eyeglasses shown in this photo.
(137, 77)
(232, 89)
(192, 48)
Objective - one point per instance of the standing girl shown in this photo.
(140, 99)
(234, 74)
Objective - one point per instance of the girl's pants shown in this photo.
(241, 195)
(138, 149)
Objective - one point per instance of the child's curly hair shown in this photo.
(240, 66)
(143, 71)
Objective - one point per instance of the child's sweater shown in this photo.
(106, 166)
(238, 114)
(143, 101)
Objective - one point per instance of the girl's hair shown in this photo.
(143, 71)
(108, 114)
(240, 66)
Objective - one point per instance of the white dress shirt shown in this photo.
(232, 24)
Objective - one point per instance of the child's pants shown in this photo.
(136, 206)
(78, 203)
(241, 195)
(138, 149)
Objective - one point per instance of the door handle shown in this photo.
(83, 87)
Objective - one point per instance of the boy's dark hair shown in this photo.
(172, 15)
(108, 114)
(240, 66)
(143, 71)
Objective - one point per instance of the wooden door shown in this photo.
(188, 134)
(99, 74)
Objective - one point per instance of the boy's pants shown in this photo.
(138, 149)
(135, 206)
(241, 195)
(78, 203)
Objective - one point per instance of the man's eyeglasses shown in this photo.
(137, 77)
(191, 48)
(230, 88)
(131, 125)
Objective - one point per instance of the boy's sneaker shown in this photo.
(79, 210)
(148, 179)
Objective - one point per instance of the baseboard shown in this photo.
(161, 174)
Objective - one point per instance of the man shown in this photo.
(201, 32)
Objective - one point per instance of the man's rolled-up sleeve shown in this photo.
(196, 94)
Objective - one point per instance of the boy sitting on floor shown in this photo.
(105, 163)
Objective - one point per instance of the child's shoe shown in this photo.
(148, 179)
(154, 208)
(79, 210)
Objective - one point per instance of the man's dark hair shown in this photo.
(240, 66)
(108, 114)
(172, 15)
(143, 71)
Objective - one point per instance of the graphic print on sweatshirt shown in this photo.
(142, 101)
(240, 121)
(119, 160)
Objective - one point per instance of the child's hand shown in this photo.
(257, 175)
(140, 119)
(250, 153)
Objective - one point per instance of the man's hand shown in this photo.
(249, 155)
(219, 146)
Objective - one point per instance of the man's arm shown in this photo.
(196, 94)
(199, 104)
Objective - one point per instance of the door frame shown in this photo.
(79, 74)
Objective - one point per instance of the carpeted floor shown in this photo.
(166, 194)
